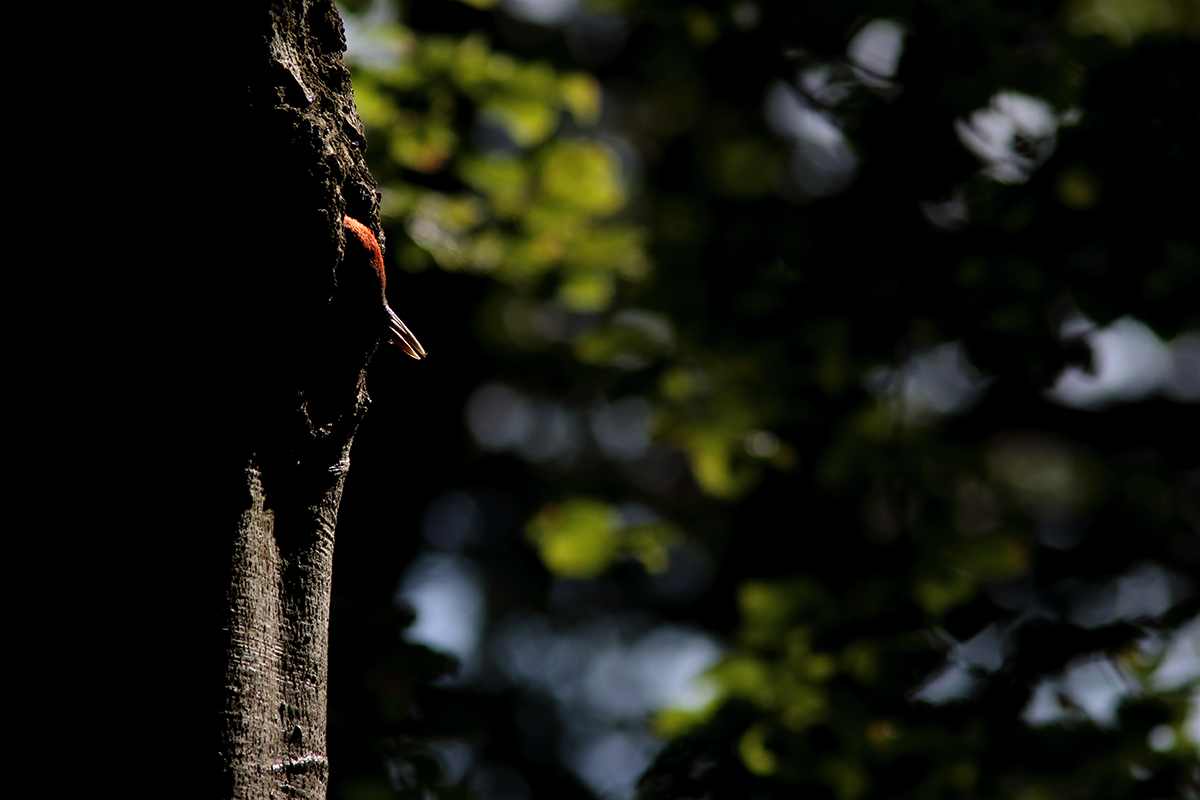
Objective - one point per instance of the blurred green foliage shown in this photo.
(740, 216)
(538, 206)
(582, 538)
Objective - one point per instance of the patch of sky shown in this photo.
(1013, 135)
(822, 161)
(876, 49)
(1130, 363)
(606, 676)
(446, 592)
(932, 382)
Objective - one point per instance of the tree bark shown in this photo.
(292, 430)
(204, 377)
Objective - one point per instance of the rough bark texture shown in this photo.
(311, 319)
(275, 718)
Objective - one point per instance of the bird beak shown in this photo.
(402, 336)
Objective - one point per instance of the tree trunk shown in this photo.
(293, 431)
(204, 378)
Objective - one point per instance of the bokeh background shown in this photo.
(811, 408)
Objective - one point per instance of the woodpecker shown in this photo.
(359, 235)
